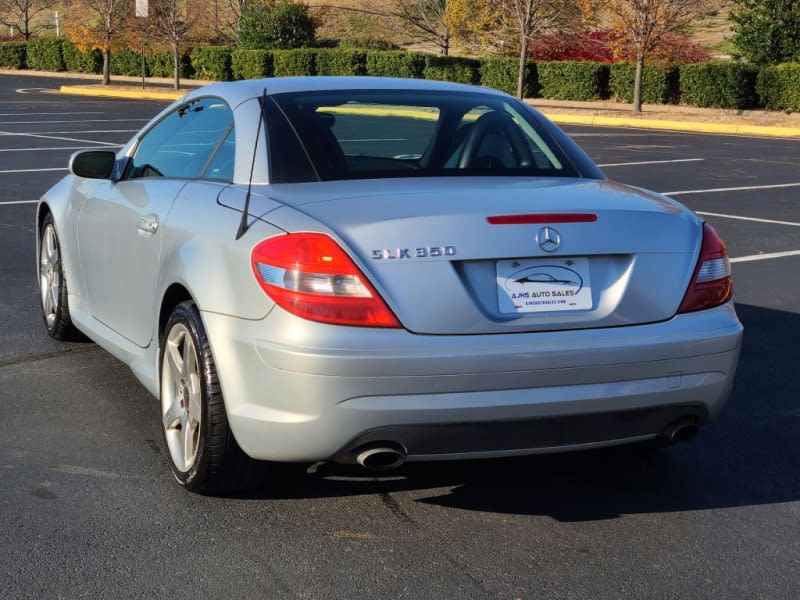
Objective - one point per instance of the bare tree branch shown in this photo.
(23, 15)
(644, 22)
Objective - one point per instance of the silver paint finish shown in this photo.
(297, 390)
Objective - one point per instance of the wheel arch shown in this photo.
(173, 295)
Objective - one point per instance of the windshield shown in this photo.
(364, 134)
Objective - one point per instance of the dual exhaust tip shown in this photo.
(387, 457)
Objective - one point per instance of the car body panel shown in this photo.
(311, 390)
(641, 248)
(114, 215)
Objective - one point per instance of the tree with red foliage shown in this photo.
(606, 47)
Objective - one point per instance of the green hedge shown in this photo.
(162, 64)
(44, 54)
(778, 87)
(573, 80)
(502, 73)
(452, 68)
(212, 62)
(660, 83)
(76, 60)
(127, 62)
(251, 64)
(300, 61)
(719, 85)
(13, 55)
(410, 65)
(341, 61)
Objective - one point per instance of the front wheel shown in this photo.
(203, 452)
(53, 286)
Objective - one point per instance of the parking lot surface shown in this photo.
(88, 507)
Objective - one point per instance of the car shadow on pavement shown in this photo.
(747, 456)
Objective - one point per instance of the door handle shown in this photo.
(148, 224)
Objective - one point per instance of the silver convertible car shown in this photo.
(377, 271)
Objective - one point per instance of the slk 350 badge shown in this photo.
(429, 251)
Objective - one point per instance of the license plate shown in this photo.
(543, 285)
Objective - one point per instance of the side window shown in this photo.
(181, 143)
(221, 166)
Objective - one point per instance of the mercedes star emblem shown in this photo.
(548, 239)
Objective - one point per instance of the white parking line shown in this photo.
(86, 131)
(733, 189)
(652, 162)
(34, 170)
(72, 121)
(51, 149)
(29, 114)
(753, 219)
(765, 256)
(53, 137)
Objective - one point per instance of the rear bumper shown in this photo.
(301, 391)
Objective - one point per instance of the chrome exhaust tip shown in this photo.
(681, 430)
(381, 458)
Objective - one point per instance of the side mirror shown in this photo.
(93, 164)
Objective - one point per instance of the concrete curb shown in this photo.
(687, 126)
(80, 90)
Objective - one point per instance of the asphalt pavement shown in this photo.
(88, 507)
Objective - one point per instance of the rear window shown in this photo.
(358, 134)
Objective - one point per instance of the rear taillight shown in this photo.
(711, 282)
(309, 275)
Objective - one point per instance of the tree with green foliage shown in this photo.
(767, 32)
(275, 25)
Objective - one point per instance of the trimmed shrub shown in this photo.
(127, 62)
(301, 61)
(501, 74)
(13, 55)
(251, 64)
(660, 83)
(282, 24)
(161, 65)
(778, 87)
(719, 85)
(410, 65)
(580, 80)
(44, 54)
(452, 68)
(341, 61)
(76, 60)
(212, 62)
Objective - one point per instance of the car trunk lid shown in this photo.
(595, 254)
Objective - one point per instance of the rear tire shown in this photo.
(203, 453)
(53, 286)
